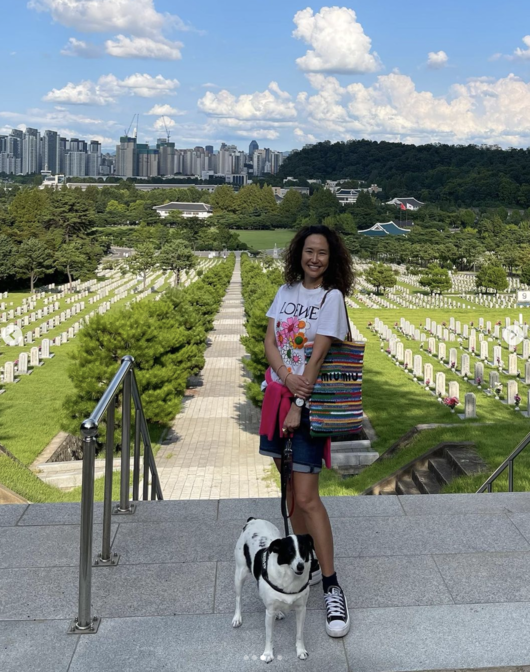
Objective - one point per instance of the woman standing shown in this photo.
(308, 308)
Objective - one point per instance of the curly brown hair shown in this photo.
(339, 273)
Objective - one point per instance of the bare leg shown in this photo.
(268, 654)
(316, 518)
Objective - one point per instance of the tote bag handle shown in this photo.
(349, 334)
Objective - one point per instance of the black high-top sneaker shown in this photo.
(315, 573)
(337, 616)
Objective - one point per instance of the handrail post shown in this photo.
(136, 462)
(105, 558)
(125, 507)
(85, 623)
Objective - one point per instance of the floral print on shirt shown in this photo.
(291, 339)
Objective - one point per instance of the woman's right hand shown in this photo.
(299, 386)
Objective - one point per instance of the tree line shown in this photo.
(458, 175)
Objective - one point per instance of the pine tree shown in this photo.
(177, 256)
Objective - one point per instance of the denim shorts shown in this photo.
(308, 452)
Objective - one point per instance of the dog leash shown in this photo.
(286, 471)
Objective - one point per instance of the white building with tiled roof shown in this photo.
(186, 209)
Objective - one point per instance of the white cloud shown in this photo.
(137, 17)
(305, 138)
(209, 85)
(437, 60)
(339, 42)
(80, 48)
(144, 47)
(259, 105)
(163, 122)
(259, 134)
(480, 111)
(164, 110)
(522, 54)
(274, 87)
(108, 88)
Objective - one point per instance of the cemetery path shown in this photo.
(211, 451)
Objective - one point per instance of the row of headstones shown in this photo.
(21, 367)
(49, 324)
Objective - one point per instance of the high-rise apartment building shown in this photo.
(93, 162)
(51, 152)
(75, 164)
(126, 157)
(147, 161)
(31, 151)
(166, 156)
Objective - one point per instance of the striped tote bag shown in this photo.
(336, 401)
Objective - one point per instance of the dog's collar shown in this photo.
(265, 576)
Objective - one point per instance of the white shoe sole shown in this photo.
(345, 628)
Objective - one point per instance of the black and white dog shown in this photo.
(281, 568)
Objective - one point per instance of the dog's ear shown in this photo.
(305, 544)
(275, 546)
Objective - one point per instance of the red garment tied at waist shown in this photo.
(276, 405)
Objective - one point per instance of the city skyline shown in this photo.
(31, 152)
(283, 73)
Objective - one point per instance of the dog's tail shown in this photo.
(248, 521)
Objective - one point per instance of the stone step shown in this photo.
(441, 470)
(406, 486)
(425, 482)
(465, 461)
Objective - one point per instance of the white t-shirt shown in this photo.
(298, 317)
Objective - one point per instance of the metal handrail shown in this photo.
(508, 462)
(124, 379)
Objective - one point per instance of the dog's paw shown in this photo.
(236, 621)
(302, 654)
(280, 615)
(267, 656)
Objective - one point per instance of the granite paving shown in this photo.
(211, 451)
(440, 583)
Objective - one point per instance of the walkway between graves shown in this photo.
(211, 451)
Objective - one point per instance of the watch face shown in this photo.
(299, 402)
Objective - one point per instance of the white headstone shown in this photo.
(399, 351)
(479, 373)
(442, 351)
(23, 363)
(418, 365)
(464, 367)
(408, 359)
(431, 344)
(45, 353)
(440, 383)
(454, 389)
(9, 372)
(484, 352)
(428, 373)
(512, 391)
(34, 357)
(512, 364)
(470, 405)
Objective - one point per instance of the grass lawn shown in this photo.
(265, 240)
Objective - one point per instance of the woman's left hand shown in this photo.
(292, 420)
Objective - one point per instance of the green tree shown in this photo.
(177, 256)
(69, 212)
(436, 279)
(322, 204)
(291, 205)
(6, 256)
(33, 260)
(78, 258)
(142, 261)
(492, 276)
(223, 199)
(525, 274)
(268, 201)
(381, 276)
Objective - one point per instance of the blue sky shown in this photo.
(283, 72)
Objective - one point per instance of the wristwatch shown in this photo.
(299, 402)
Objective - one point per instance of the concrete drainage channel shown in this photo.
(351, 456)
(52, 467)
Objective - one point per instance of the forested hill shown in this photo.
(460, 175)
